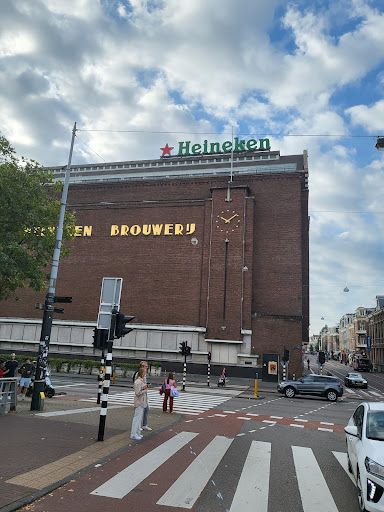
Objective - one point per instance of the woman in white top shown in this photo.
(140, 403)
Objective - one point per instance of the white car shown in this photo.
(365, 451)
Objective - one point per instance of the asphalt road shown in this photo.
(266, 454)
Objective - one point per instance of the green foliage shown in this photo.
(88, 364)
(30, 207)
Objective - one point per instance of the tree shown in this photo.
(29, 213)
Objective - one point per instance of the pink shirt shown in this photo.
(170, 384)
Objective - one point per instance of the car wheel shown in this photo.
(331, 395)
(360, 495)
(289, 392)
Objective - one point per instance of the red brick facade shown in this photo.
(229, 266)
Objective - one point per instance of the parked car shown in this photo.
(355, 380)
(321, 385)
(365, 452)
(361, 364)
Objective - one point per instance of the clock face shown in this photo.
(227, 221)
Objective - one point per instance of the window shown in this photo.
(358, 418)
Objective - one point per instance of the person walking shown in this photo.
(11, 367)
(140, 403)
(169, 383)
(144, 364)
(2, 367)
(26, 371)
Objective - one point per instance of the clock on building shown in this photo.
(227, 221)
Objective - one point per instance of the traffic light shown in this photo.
(100, 338)
(286, 355)
(120, 328)
(209, 356)
(182, 347)
(321, 357)
(187, 350)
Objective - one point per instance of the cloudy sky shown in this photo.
(308, 73)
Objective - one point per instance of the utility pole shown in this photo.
(37, 402)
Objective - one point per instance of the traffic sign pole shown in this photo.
(107, 380)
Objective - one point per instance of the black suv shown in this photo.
(320, 385)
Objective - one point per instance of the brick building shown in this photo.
(212, 251)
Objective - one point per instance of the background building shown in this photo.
(211, 252)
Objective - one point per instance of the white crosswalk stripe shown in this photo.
(315, 495)
(188, 487)
(362, 393)
(186, 403)
(252, 493)
(253, 485)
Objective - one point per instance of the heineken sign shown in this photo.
(187, 148)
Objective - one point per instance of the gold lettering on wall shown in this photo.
(145, 229)
(83, 230)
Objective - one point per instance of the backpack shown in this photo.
(134, 377)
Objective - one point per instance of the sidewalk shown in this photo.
(40, 452)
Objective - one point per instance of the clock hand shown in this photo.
(225, 220)
(233, 216)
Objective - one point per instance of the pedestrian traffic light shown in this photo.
(286, 355)
(182, 347)
(187, 350)
(120, 327)
(209, 356)
(321, 357)
(100, 338)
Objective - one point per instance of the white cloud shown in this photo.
(197, 66)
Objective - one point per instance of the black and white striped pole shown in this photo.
(209, 367)
(184, 371)
(107, 378)
(101, 376)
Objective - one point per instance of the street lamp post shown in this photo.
(46, 327)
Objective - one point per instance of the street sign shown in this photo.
(109, 300)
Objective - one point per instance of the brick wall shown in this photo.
(166, 277)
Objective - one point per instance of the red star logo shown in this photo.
(167, 150)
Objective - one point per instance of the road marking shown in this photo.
(76, 411)
(251, 414)
(315, 494)
(268, 421)
(325, 429)
(375, 394)
(343, 460)
(123, 483)
(277, 417)
(71, 385)
(325, 423)
(295, 425)
(186, 403)
(299, 419)
(188, 487)
(242, 418)
(253, 487)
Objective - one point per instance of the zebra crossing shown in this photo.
(186, 403)
(364, 393)
(252, 493)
